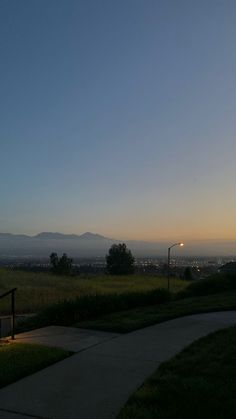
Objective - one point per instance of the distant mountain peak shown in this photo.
(55, 236)
(92, 236)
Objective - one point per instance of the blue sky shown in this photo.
(118, 117)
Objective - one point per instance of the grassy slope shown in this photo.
(126, 321)
(200, 382)
(18, 360)
(37, 290)
(67, 313)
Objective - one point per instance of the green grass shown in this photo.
(66, 313)
(200, 382)
(128, 320)
(18, 360)
(127, 311)
(35, 291)
(211, 285)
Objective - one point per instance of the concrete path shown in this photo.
(96, 382)
(70, 338)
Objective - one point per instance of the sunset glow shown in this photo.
(122, 123)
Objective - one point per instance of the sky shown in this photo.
(118, 117)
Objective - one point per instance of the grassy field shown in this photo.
(18, 360)
(200, 382)
(129, 320)
(35, 291)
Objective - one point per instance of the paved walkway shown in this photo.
(71, 338)
(95, 382)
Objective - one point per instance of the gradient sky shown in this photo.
(118, 117)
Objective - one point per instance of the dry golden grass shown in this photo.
(37, 290)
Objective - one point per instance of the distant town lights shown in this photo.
(168, 261)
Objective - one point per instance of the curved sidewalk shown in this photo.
(96, 382)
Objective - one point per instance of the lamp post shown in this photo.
(168, 262)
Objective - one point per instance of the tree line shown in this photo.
(119, 261)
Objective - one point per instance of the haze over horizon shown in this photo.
(100, 234)
(118, 118)
(91, 244)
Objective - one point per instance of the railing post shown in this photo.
(13, 314)
(12, 292)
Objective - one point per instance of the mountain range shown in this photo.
(96, 245)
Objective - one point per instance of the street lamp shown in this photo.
(168, 261)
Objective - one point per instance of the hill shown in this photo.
(95, 245)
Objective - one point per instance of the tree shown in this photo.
(61, 265)
(120, 260)
(54, 260)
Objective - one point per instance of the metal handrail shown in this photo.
(8, 292)
(12, 292)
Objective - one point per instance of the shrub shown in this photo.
(90, 306)
(212, 285)
(188, 275)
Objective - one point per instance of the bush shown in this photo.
(188, 275)
(212, 285)
(90, 306)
